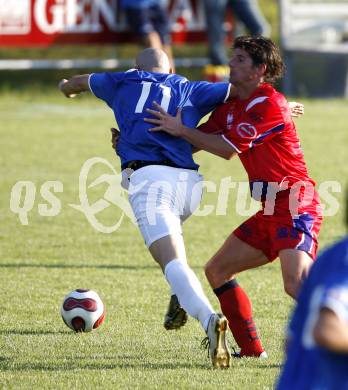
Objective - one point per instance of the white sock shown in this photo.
(185, 284)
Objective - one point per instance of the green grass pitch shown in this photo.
(47, 137)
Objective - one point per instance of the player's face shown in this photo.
(242, 69)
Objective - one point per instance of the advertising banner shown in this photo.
(46, 22)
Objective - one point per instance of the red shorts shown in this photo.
(272, 233)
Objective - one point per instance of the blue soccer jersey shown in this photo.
(130, 93)
(308, 366)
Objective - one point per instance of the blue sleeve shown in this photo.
(104, 85)
(206, 96)
(335, 297)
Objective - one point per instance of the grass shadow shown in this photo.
(71, 366)
(78, 266)
(268, 366)
(26, 332)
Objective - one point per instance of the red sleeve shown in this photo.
(260, 122)
(216, 122)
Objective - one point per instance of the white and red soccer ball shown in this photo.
(83, 310)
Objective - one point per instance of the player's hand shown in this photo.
(115, 135)
(164, 121)
(297, 109)
(63, 88)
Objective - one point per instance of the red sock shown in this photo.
(236, 306)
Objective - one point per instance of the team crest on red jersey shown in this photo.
(246, 130)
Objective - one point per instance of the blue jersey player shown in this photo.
(129, 94)
(161, 169)
(317, 355)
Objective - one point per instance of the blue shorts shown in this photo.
(145, 20)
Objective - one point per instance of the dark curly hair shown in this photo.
(262, 51)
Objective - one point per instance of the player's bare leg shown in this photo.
(233, 257)
(295, 266)
(152, 39)
(168, 248)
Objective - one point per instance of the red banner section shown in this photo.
(46, 22)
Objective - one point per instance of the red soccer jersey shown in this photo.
(261, 131)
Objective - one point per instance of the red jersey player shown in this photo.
(257, 126)
(262, 133)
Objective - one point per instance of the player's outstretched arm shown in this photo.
(72, 87)
(172, 125)
(331, 332)
(296, 108)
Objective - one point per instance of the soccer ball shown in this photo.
(83, 310)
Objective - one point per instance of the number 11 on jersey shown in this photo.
(145, 91)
